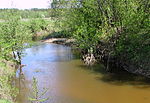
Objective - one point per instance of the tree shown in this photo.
(119, 27)
(13, 36)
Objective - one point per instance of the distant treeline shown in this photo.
(28, 13)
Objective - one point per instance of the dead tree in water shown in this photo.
(89, 59)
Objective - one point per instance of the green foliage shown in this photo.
(36, 96)
(37, 25)
(122, 25)
(13, 36)
(4, 101)
(7, 90)
(134, 47)
(82, 23)
(27, 14)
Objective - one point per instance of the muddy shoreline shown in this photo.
(63, 41)
(114, 62)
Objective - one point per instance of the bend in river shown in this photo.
(69, 81)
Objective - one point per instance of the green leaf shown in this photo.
(4, 101)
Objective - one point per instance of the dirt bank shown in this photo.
(64, 41)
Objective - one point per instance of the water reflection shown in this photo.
(21, 83)
(69, 81)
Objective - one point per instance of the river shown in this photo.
(69, 81)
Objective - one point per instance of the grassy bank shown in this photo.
(8, 92)
(15, 33)
(13, 37)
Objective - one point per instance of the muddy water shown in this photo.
(69, 81)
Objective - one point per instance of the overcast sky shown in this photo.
(24, 4)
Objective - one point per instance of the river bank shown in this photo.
(63, 41)
(101, 55)
(70, 81)
(8, 91)
(50, 60)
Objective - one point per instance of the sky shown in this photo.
(24, 4)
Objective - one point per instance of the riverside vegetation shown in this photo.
(115, 32)
(16, 34)
(13, 36)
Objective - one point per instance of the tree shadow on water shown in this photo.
(118, 78)
(96, 69)
(125, 78)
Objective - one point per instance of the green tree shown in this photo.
(13, 37)
(120, 27)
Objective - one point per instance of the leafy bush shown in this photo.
(13, 38)
(122, 26)
(7, 90)
(4, 101)
(36, 26)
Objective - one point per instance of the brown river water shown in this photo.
(69, 81)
